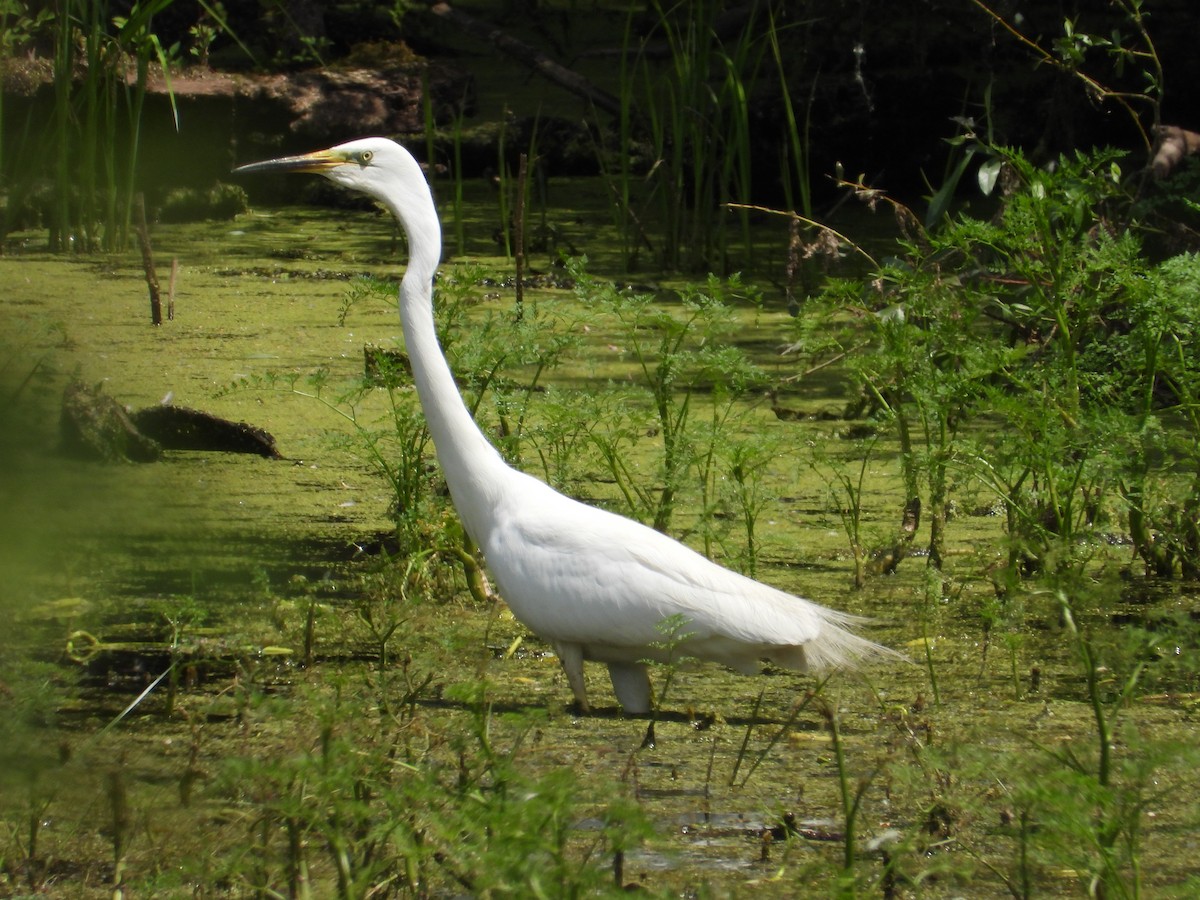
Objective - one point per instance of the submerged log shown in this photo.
(95, 426)
(180, 428)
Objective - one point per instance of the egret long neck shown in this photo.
(474, 470)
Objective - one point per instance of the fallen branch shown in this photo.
(530, 56)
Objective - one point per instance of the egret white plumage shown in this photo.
(595, 585)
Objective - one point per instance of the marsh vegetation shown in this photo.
(235, 675)
(223, 675)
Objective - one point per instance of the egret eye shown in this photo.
(365, 157)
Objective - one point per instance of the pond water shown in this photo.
(283, 753)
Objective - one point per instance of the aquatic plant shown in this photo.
(102, 58)
(391, 814)
(1022, 348)
(953, 752)
(685, 126)
(401, 740)
(680, 354)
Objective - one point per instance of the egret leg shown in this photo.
(571, 657)
(631, 684)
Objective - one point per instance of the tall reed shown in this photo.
(794, 168)
(687, 104)
(101, 68)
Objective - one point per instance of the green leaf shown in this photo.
(989, 173)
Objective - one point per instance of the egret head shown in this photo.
(375, 166)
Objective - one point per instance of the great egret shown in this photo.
(593, 584)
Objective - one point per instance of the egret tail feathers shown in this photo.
(835, 647)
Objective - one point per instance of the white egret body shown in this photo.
(596, 585)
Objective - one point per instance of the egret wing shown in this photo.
(573, 572)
